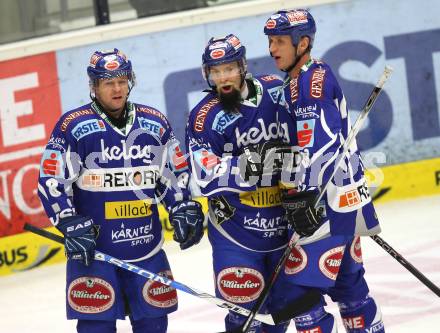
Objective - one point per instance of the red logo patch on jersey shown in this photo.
(330, 261)
(208, 161)
(312, 330)
(179, 160)
(352, 323)
(296, 261)
(240, 284)
(51, 166)
(269, 78)
(217, 53)
(294, 90)
(316, 84)
(356, 250)
(90, 295)
(199, 123)
(158, 294)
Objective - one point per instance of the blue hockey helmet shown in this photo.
(297, 23)
(223, 50)
(109, 64)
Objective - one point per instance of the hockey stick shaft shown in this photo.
(414, 271)
(265, 318)
(357, 126)
(295, 238)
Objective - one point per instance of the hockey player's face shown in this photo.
(226, 77)
(112, 94)
(282, 50)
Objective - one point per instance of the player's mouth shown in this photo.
(227, 88)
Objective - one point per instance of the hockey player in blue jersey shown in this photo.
(246, 229)
(318, 125)
(105, 168)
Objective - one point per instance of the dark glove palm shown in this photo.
(300, 211)
(187, 219)
(79, 237)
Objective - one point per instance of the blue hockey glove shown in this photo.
(187, 219)
(300, 211)
(79, 237)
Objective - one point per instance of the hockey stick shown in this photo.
(414, 271)
(264, 318)
(295, 238)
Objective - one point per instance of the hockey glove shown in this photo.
(187, 219)
(79, 237)
(300, 211)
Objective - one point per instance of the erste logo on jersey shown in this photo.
(90, 295)
(151, 127)
(158, 294)
(240, 284)
(330, 262)
(296, 261)
(51, 164)
(305, 132)
(224, 119)
(87, 127)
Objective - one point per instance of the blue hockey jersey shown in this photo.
(249, 214)
(318, 124)
(117, 176)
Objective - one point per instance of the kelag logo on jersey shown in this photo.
(51, 163)
(151, 127)
(305, 132)
(223, 120)
(255, 135)
(87, 127)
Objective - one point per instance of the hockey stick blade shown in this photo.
(264, 318)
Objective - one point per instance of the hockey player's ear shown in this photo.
(303, 44)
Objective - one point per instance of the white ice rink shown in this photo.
(33, 302)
